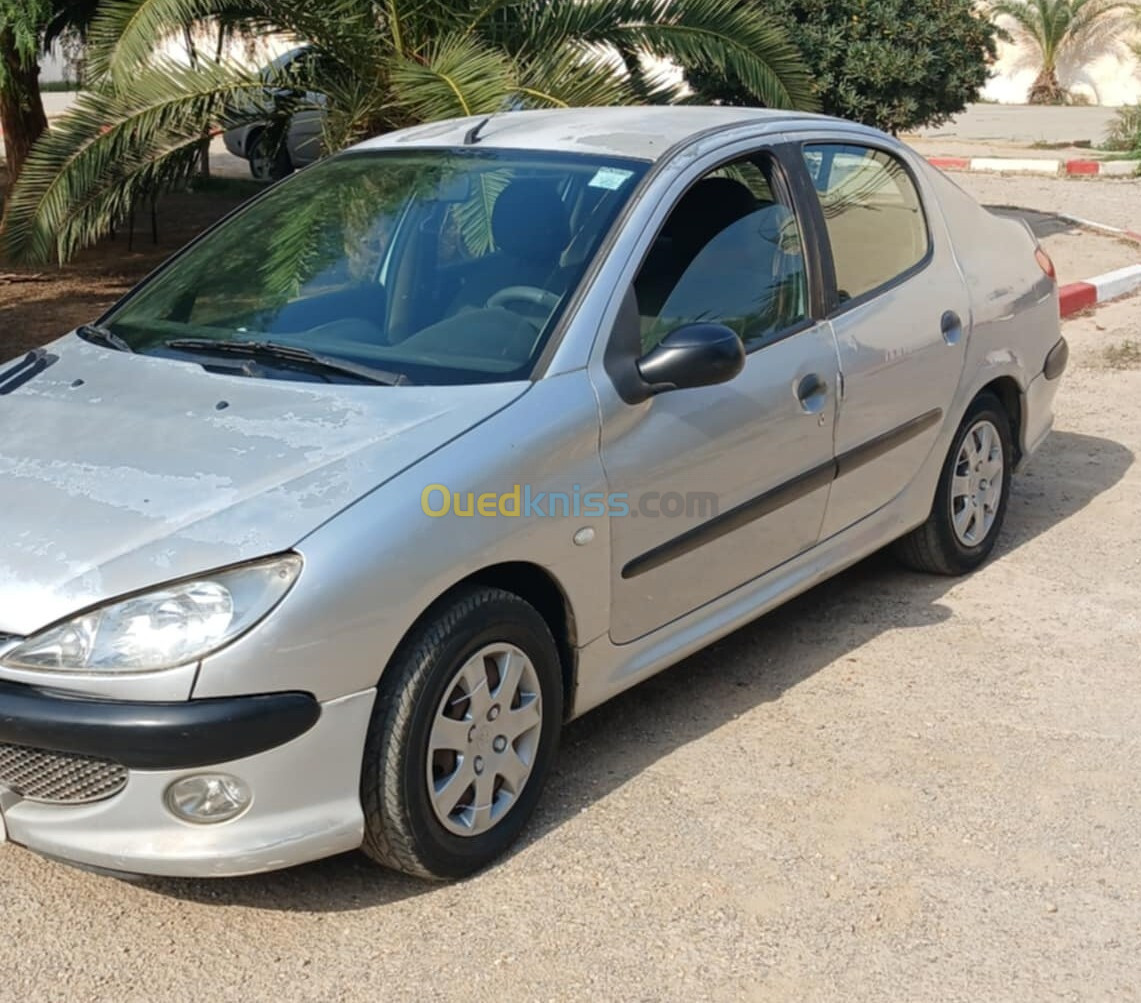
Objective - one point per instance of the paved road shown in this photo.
(57, 102)
(1023, 125)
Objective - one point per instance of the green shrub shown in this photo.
(1125, 134)
(893, 64)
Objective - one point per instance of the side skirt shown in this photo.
(607, 669)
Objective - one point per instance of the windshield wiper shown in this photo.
(291, 354)
(102, 336)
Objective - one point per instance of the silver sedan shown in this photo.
(315, 541)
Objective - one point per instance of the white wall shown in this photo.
(1113, 79)
(53, 68)
(254, 52)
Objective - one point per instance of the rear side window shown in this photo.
(873, 213)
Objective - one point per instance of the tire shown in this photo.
(424, 689)
(944, 545)
(267, 166)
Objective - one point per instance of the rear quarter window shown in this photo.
(873, 213)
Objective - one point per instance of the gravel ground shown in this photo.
(895, 788)
(1111, 202)
(1080, 254)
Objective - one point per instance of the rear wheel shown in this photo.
(268, 163)
(970, 504)
(464, 733)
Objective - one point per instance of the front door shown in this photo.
(722, 483)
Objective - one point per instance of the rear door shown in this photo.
(900, 312)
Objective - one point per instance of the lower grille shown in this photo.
(58, 778)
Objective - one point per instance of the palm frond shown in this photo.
(125, 33)
(114, 147)
(1082, 28)
(735, 40)
(528, 26)
(570, 77)
(454, 78)
(346, 32)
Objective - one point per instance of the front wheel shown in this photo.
(970, 504)
(465, 730)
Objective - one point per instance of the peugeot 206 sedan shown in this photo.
(315, 541)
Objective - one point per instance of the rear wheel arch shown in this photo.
(1010, 395)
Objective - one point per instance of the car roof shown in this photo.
(645, 132)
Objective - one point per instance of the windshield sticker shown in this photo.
(610, 178)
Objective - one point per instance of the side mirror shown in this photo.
(696, 355)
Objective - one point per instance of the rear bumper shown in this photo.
(1038, 402)
(306, 805)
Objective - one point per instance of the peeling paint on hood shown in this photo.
(119, 472)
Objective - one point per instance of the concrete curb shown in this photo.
(1046, 167)
(1079, 296)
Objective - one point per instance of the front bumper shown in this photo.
(152, 736)
(306, 792)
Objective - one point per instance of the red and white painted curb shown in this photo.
(1047, 167)
(1079, 296)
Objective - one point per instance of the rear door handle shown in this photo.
(812, 393)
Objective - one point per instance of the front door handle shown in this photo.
(952, 327)
(812, 393)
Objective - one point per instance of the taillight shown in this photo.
(1046, 263)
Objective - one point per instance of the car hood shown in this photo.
(119, 471)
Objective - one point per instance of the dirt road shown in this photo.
(896, 788)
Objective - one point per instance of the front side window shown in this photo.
(873, 213)
(729, 253)
(445, 266)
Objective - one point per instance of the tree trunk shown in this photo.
(22, 117)
(1047, 89)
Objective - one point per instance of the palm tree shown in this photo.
(1064, 28)
(381, 65)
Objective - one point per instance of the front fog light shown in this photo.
(208, 797)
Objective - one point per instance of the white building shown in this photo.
(254, 51)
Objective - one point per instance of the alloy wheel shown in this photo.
(484, 738)
(977, 485)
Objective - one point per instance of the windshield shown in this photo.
(441, 267)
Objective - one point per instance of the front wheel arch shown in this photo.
(533, 584)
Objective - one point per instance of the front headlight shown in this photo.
(169, 626)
